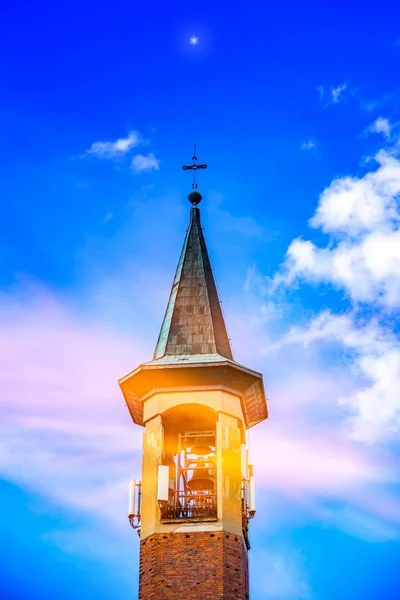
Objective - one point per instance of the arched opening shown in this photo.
(190, 454)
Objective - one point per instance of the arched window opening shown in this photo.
(191, 457)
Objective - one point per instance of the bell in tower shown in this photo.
(201, 479)
(196, 403)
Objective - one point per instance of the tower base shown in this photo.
(197, 565)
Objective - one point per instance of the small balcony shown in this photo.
(189, 506)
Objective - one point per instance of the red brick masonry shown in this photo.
(193, 566)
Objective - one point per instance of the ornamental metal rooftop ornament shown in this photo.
(194, 197)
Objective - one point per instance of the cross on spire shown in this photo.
(194, 168)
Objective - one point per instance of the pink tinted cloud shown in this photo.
(318, 463)
(313, 469)
(66, 433)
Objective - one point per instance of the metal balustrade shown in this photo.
(198, 506)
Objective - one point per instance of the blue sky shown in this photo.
(296, 110)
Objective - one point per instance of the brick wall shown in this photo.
(193, 566)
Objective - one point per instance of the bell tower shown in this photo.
(195, 402)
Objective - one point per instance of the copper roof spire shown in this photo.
(193, 322)
(193, 349)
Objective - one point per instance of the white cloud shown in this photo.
(352, 205)
(361, 216)
(337, 92)
(333, 95)
(374, 356)
(376, 407)
(123, 146)
(116, 149)
(308, 145)
(141, 163)
(363, 256)
(381, 126)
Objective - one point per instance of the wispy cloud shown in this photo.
(381, 126)
(332, 95)
(108, 217)
(224, 222)
(321, 91)
(68, 398)
(308, 144)
(286, 577)
(388, 102)
(122, 147)
(374, 354)
(115, 149)
(141, 163)
(337, 92)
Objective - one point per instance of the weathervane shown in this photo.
(194, 168)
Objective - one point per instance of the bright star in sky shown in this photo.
(194, 40)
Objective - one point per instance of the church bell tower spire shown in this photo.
(195, 402)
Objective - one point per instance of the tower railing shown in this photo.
(197, 506)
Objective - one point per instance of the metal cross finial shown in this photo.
(194, 168)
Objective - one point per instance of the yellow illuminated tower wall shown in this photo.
(195, 404)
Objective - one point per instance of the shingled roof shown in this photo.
(193, 348)
(193, 323)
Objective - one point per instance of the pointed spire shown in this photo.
(193, 322)
(193, 348)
